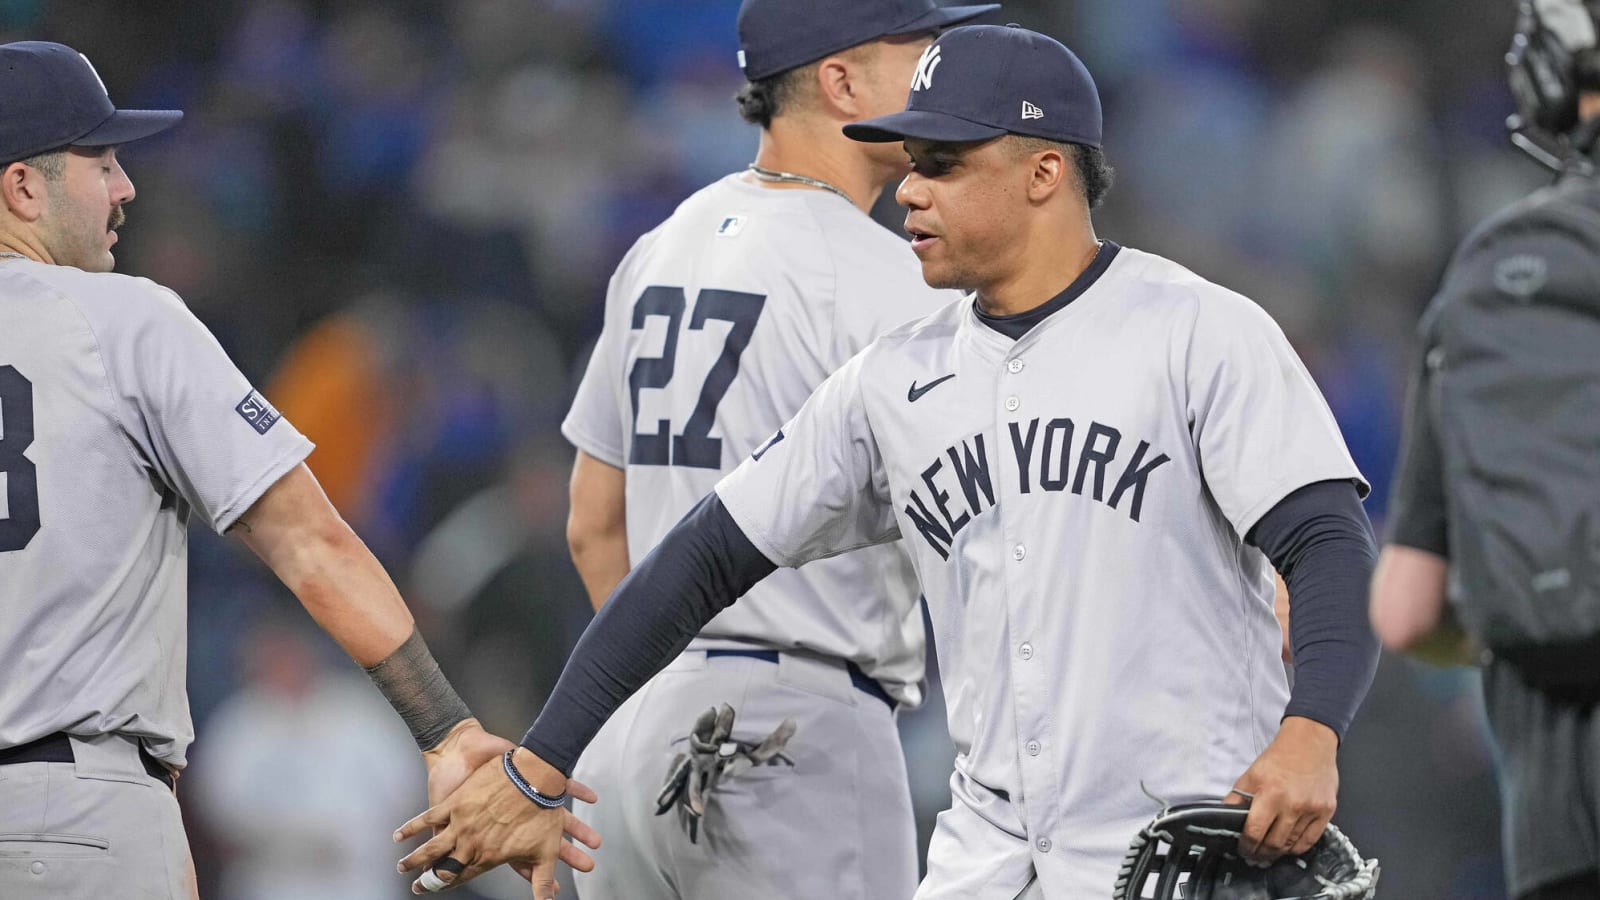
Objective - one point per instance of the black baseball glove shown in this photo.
(1191, 852)
(714, 754)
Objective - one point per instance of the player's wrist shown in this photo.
(540, 775)
(1308, 731)
(453, 738)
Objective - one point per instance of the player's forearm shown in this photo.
(597, 526)
(1408, 597)
(301, 537)
(601, 558)
(346, 590)
(701, 567)
(1320, 540)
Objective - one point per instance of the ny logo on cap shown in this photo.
(94, 73)
(925, 67)
(1029, 111)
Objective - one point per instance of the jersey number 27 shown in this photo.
(19, 480)
(695, 447)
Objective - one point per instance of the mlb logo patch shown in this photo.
(258, 412)
(731, 226)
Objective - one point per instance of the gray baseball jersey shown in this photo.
(1075, 503)
(718, 325)
(120, 415)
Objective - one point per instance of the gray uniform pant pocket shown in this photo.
(66, 836)
(43, 845)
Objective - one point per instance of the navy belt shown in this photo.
(860, 679)
(57, 748)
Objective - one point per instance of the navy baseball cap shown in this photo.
(778, 35)
(979, 82)
(51, 97)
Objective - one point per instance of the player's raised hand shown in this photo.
(489, 821)
(1294, 784)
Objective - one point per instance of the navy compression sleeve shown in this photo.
(702, 565)
(1319, 539)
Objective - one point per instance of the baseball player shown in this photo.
(1096, 460)
(719, 324)
(120, 419)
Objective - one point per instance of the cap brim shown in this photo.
(919, 123)
(127, 125)
(944, 17)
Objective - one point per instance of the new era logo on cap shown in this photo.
(1029, 111)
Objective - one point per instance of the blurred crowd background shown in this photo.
(399, 217)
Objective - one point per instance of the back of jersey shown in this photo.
(119, 416)
(719, 324)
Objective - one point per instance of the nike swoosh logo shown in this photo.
(916, 392)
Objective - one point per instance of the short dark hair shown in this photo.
(764, 99)
(51, 163)
(1089, 163)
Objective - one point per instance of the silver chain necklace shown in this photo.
(771, 175)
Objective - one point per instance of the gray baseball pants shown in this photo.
(97, 828)
(835, 824)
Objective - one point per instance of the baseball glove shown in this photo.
(714, 754)
(1192, 852)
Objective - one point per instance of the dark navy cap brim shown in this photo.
(127, 125)
(944, 17)
(925, 124)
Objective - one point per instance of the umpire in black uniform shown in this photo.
(1494, 550)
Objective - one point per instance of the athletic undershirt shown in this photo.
(1318, 537)
(1320, 541)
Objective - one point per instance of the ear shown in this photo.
(1049, 173)
(841, 84)
(23, 190)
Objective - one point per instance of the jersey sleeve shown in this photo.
(594, 424)
(192, 415)
(1261, 427)
(1417, 501)
(818, 487)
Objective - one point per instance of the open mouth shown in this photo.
(919, 238)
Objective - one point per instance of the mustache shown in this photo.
(117, 218)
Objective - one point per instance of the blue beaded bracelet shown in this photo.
(528, 790)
